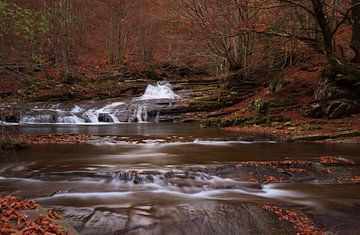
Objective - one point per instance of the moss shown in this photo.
(33, 215)
(13, 144)
(255, 120)
(260, 106)
(226, 122)
(282, 102)
(278, 118)
(206, 105)
(310, 91)
(277, 84)
(351, 77)
(208, 99)
(352, 73)
(325, 137)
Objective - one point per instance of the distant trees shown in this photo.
(118, 33)
(54, 32)
(355, 21)
(330, 17)
(22, 28)
(228, 34)
(66, 30)
(221, 27)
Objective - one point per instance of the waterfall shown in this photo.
(75, 115)
(146, 108)
(162, 90)
(141, 114)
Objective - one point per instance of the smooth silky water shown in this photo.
(156, 178)
(88, 182)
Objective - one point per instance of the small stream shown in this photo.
(158, 187)
(149, 107)
(146, 183)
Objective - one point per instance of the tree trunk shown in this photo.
(319, 11)
(355, 39)
(338, 67)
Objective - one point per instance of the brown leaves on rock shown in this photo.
(13, 220)
(330, 131)
(54, 215)
(353, 180)
(54, 139)
(335, 160)
(10, 204)
(301, 223)
(43, 226)
(327, 168)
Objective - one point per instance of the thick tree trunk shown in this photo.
(355, 39)
(338, 67)
(318, 8)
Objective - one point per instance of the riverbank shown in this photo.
(28, 217)
(345, 130)
(265, 103)
(257, 182)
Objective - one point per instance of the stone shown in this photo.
(288, 124)
(263, 107)
(341, 111)
(104, 117)
(273, 124)
(13, 118)
(330, 92)
(332, 106)
(316, 111)
(355, 108)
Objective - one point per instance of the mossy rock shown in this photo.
(277, 84)
(220, 122)
(33, 215)
(282, 103)
(278, 118)
(325, 137)
(73, 78)
(255, 120)
(225, 122)
(13, 144)
(205, 105)
(261, 106)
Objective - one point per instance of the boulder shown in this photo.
(105, 117)
(341, 110)
(316, 111)
(335, 97)
(11, 117)
(333, 109)
(263, 107)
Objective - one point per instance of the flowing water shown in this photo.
(146, 108)
(152, 178)
(154, 186)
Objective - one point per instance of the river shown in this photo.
(138, 175)
(148, 183)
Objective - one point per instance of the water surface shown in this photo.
(155, 187)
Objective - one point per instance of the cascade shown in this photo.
(162, 90)
(142, 109)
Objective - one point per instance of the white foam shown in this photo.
(87, 113)
(73, 119)
(77, 109)
(159, 91)
(86, 195)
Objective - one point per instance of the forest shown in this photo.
(144, 90)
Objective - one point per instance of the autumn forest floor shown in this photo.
(274, 107)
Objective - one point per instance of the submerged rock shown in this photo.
(105, 117)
